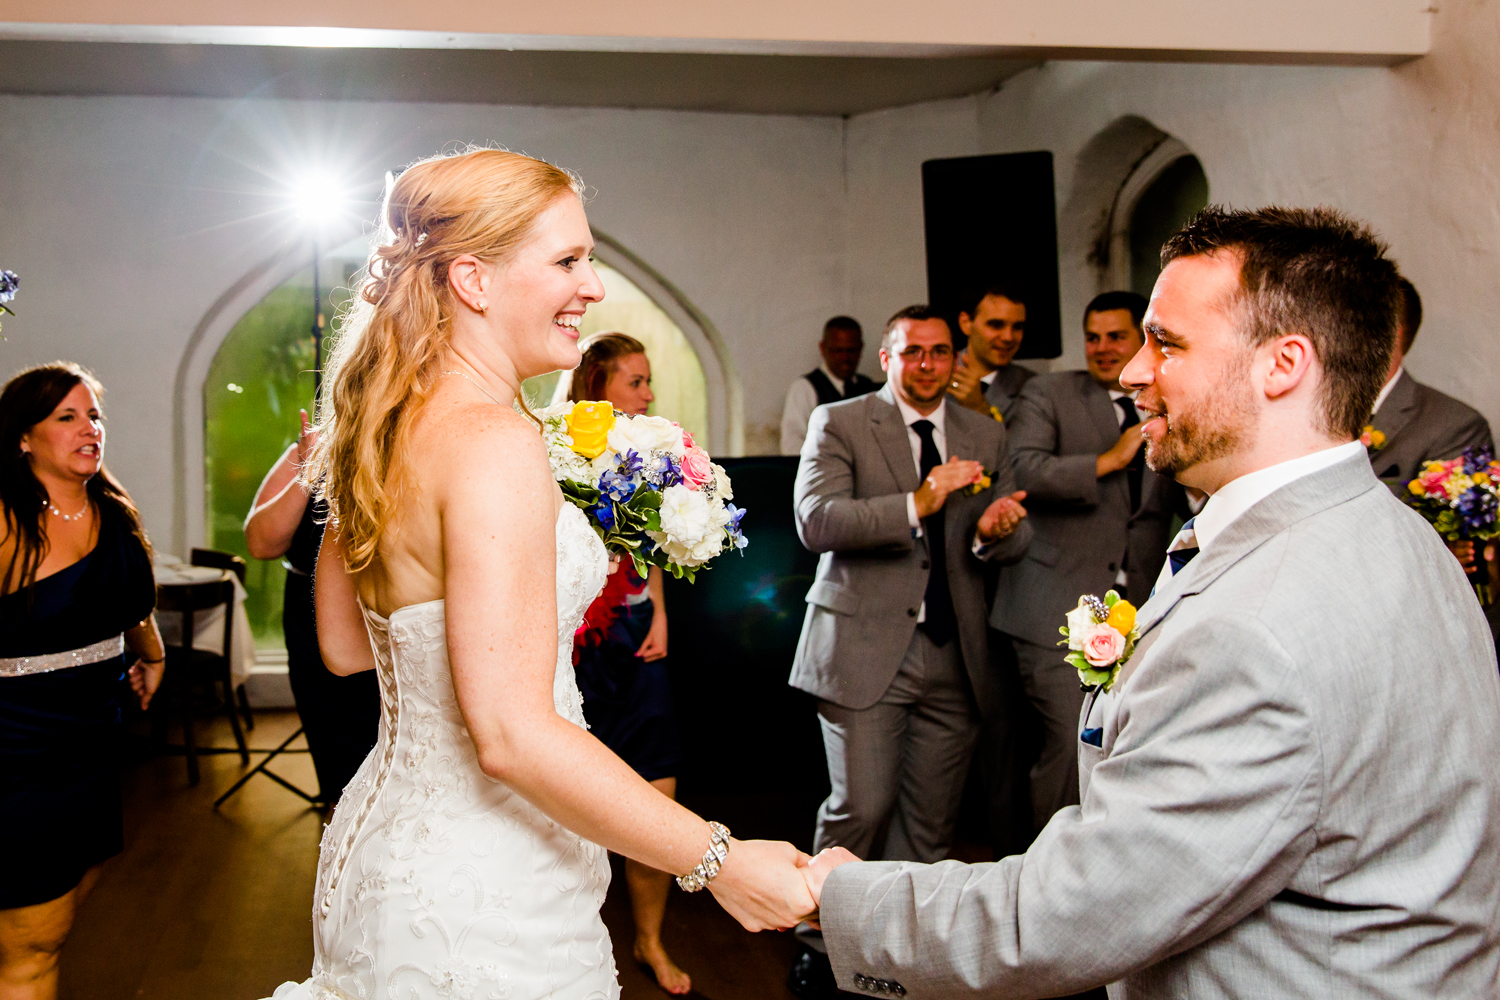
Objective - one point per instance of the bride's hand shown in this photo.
(614, 564)
(761, 885)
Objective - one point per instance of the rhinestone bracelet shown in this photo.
(713, 858)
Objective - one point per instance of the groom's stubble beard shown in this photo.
(1220, 422)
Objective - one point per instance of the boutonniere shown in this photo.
(1372, 439)
(979, 485)
(1100, 636)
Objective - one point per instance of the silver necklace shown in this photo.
(68, 517)
(476, 385)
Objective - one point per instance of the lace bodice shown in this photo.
(435, 880)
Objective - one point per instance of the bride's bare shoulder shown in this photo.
(478, 438)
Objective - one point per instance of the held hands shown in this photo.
(966, 389)
(955, 474)
(1002, 517)
(816, 871)
(762, 885)
(1121, 453)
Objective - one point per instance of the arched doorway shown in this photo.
(1166, 188)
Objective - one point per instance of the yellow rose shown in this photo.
(1121, 617)
(589, 425)
(1480, 479)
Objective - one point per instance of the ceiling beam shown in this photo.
(1321, 31)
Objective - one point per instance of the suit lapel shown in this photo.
(1398, 409)
(891, 436)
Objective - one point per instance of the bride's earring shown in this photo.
(483, 307)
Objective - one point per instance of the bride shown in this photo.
(467, 858)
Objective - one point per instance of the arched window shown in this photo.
(1166, 188)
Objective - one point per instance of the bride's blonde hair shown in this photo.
(390, 340)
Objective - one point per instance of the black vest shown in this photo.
(857, 385)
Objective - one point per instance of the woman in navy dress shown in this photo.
(620, 657)
(76, 591)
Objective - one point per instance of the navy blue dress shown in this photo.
(60, 808)
(627, 701)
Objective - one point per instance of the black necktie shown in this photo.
(940, 624)
(1138, 463)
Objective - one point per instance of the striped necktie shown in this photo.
(1184, 547)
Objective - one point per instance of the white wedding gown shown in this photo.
(436, 882)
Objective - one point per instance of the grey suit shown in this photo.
(1084, 528)
(861, 653)
(1005, 388)
(1295, 794)
(1422, 425)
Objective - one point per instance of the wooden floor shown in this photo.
(215, 905)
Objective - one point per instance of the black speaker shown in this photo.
(988, 218)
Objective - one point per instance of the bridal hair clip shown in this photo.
(713, 859)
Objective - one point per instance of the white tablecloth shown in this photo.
(208, 626)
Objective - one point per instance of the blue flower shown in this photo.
(615, 486)
(663, 472)
(1477, 459)
(630, 463)
(9, 283)
(604, 513)
(737, 538)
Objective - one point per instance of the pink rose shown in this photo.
(1102, 644)
(687, 436)
(1434, 481)
(697, 468)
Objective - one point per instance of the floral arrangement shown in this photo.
(981, 484)
(1101, 637)
(1372, 439)
(648, 490)
(10, 283)
(1460, 498)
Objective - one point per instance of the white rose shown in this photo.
(556, 411)
(1080, 620)
(686, 516)
(689, 555)
(645, 435)
(722, 489)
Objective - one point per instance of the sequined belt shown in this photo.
(19, 666)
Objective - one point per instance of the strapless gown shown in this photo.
(436, 882)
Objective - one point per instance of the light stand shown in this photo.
(261, 768)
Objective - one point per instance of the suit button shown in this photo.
(1113, 568)
(898, 989)
(925, 564)
(862, 981)
(912, 612)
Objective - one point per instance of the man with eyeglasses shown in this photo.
(905, 496)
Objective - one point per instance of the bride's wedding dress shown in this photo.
(434, 880)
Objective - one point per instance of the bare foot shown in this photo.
(668, 976)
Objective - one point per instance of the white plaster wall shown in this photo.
(128, 217)
(1414, 151)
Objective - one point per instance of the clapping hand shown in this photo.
(966, 389)
(307, 440)
(762, 885)
(944, 479)
(1002, 517)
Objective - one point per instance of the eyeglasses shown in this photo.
(917, 355)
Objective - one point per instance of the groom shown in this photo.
(1290, 790)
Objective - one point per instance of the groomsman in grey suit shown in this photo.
(985, 380)
(1102, 521)
(1289, 789)
(1418, 423)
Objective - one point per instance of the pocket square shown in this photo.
(1094, 737)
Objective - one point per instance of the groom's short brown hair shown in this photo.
(1315, 272)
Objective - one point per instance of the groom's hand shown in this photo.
(761, 885)
(815, 872)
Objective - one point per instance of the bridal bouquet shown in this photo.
(1460, 498)
(9, 283)
(648, 490)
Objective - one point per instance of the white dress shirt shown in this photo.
(910, 416)
(801, 400)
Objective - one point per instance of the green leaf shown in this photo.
(1111, 598)
(1076, 660)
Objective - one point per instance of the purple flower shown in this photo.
(737, 538)
(615, 486)
(663, 472)
(10, 282)
(630, 463)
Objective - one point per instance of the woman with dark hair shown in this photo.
(619, 658)
(76, 590)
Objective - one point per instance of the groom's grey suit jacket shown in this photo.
(850, 505)
(1296, 795)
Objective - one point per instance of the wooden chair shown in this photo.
(218, 559)
(194, 676)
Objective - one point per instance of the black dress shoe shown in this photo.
(811, 977)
